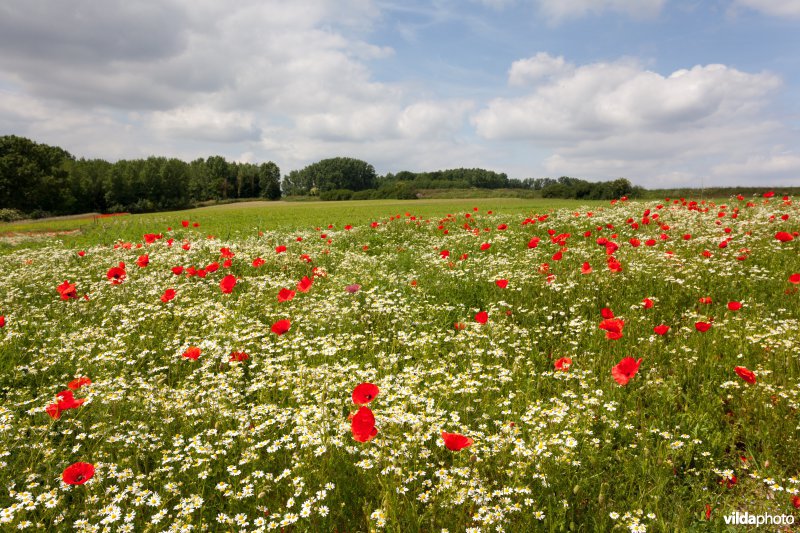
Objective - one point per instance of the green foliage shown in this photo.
(331, 174)
(10, 215)
(40, 179)
(336, 194)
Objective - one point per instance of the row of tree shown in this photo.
(37, 179)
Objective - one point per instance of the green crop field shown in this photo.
(537, 365)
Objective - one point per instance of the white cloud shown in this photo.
(777, 8)
(558, 10)
(532, 69)
(607, 119)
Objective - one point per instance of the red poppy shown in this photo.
(2, 321)
(143, 260)
(185, 223)
(794, 278)
(563, 364)
(647, 303)
(456, 441)
(613, 328)
(534, 242)
(238, 357)
(285, 295)
(784, 236)
(502, 283)
(702, 327)
(67, 290)
(769, 194)
(661, 329)
(227, 284)
(212, 267)
(227, 263)
(177, 270)
(226, 253)
(257, 262)
(796, 501)
(363, 425)
(64, 400)
(81, 253)
(705, 300)
(586, 268)
(280, 249)
(734, 306)
(606, 313)
(76, 384)
(625, 370)
(193, 352)
(281, 326)
(168, 295)
(78, 473)
(304, 284)
(364, 393)
(116, 275)
(745, 374)
(482, 317)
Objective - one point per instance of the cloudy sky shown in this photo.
(663, 92)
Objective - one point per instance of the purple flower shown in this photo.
(355, 287)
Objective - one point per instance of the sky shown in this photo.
(666, 93)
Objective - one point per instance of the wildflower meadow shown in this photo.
(443, 367)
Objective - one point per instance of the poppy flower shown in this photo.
(185, 223)
(281, 326)
(226, 253)
(143, 260)
(354, 288)
(625, 370)
(606, 313)
(177, 270)
(227, 284)
(796, 501)
(702, 327)
(78, 473)
(563, 364)
(64, 400)
(482, 317)
(2, 321)
(67, 290)
(455, 441)
(444, 254)
(647, 303)
(280, 249)
(734, 306)
(212, 267)
(363, 425)
(534, 242)
(613, 328)
(661, 329)
(227, 263)
(285, 295)
(193, 352)
(705, 300)
(238, 357)
(364, 393)
(586, 268)
(76, 384)
(257, 262)
(502, 283)
(794, 278)
(784, 236)
(304, 284)
(747, 375)
(459, 326)
(168, 295)
(81, 253)
(116, 275)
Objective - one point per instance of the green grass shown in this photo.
(197, 442)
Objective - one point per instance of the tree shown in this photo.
(269, 179)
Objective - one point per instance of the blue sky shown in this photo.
(663, 92)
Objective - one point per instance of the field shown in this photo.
(540, 366)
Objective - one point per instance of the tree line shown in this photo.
(37, 179)
(40, 180)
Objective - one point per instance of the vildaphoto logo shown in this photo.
(747, 519)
